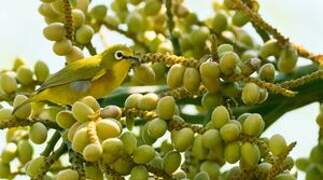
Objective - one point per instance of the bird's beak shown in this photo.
(133, 59)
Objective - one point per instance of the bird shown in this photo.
(95, 76)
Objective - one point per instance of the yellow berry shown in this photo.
(41, 71)
(9, 152)
(175, 76)
(250, 94)
(152, 7)
(144, 74)
(287, 60)
(4, 170)
(24, 75)
(65, 119)
(220, 116)
(80, 139)
(63, 47)
(38, 133)
(5, 114)
(133, 100)
(78, 18)
(112, 149)
(91, 102)
(24, 111)
(166, 107)
(267, 72)
(111, 111)
(270, 48)
(228, 62)
(191, 79)
(55, 31)
(8, 83)
(277, 144)
(253, 125)
(135, 22)
(81, 111)
(74, 55)
(83, 35)
(232, 152)
(92, 152)
(67, 174)
(107, 128)
(250, 155)
(45, 9)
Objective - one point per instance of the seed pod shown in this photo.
(9, 153)
(133, 100)
(253, 125)
(210, 72)
(91, 102)
(5, 114)
(74, 55)
(38, 133)
(143, 154)
(78, 18)
(201, 176)
(112, 149)
(92, 152)
(98, 12)
(171, 161)
(191, 79)
(35, 166)
(139, 173)
(80, 139)
(199, 36)
(228, 62)
(240, 19)
(287, 60)
(83, 35)
(135, 22)
(24, 75)
(130, 142)
(45, 9)
(144, 74)
(25, 110)
(219, 22)
(25, 151)
(148, 102)
(156, 128)
(211, 168)
(267, 72)
(224, 48)
(122, 166)
(198, 150)
(41, 71)
(250, 155)
(63, 47)
(54, 31)
(107, 128)
(277, 144)
(232, 152)
(8, 83)
(67, 174)
(220, 116)
(230, 132)
(166, 107)
(211, 138)
(111, 111)
(175, 76)
(4, 170)
(81, 111)
(182, 139)
(250, 94)
(211, 100)
(270, 48)
(65, 119)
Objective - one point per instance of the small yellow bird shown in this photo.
(95, 76)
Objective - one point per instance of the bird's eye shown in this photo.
(118, 55)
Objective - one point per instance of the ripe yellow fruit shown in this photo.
(92, 152)
(133, 100)
(80, 140)
(107, 128)
(24, 75)
(191, 79)
(65, 119)
(166, 107)
(55, 31)
(175, 76)
(220, 116)
(63, 47)
(144, 74)
(81, 111)
(8, 83)
(91, 102)
(83, 35)
(67, 174)
(38, 133)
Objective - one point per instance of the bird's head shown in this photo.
(118, 55)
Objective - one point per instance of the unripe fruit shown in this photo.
(83, 35)
(93, 172)
(67, 174)
(80, 139)
(24, 75)
(250, 155)
(250, 94)
(156, 128)
(148, 102)
(143, 154)
(267, 72)
(220, 116)
(211, 168)
(25, 151)
(78, 18)
(201, 176)
(171, 161)
(45, 9)
(182, 139)
(122, 166)
(83, 5)
(198, 150)
(24, 111)
(72, 130)
(219, 22)
(8, 83)
(38, 133)
(287, 60)
(55, 31)
(5, 114)
(139, 173)
(270, 48)
(285, 176)
(35, 166)
(144, 74)
(277, 144)
(166, 107)
(198, 36)
(152, 7)
(75, 54)
(65, 119)
(91, 102)
(59, 6)
(63, 47)
(17, 63)
(8, 153)
(232, 152)
(112, 149)
(211, 100)
(130, 142)
(191, 79)
(253, 125)
(107, 128)
(133, 100)
(92, 152)
(135, 2)
(4, 170)
(145, 137)
(175, 76)
(160, 70)
(211, 138)
(224, 48)
(240, 19)
(230, 132)
(210, 72)
(228, 62)
(81, 111)
(313, 173)
(135, 22)
(302, 163)
(41, 71)
(98, 12)
(111, 111)
(316, 155)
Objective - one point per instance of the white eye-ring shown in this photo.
(118, 55)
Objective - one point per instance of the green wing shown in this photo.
(81, 70)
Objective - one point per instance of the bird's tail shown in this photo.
(21, 105)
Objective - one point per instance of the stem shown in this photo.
(91, 49)
(27, 122)
(51, 144)
(68, 19)
(171, 26)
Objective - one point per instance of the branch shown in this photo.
(27, 122)
(68, 19)
(51, 144)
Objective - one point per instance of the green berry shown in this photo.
(220, 116)
(65, 119)
(285, 176)
(38, 133)
(41, 71)
(156, 128)
(175, 76)
(5, 114)
(228, 62)
(199, 36)
(143, 154)
(35, 166)
(83, 35)
(250, 94)
(182, 139)
(319, 119)
(98, 12)
(74, 55)
(191, 79)
(132, 101)
(93, 172)
(270, 48)
(267, 72)
(135, 22)
(250, 155)
(24, 75)
(201, 176)
(144, 74)
(63, 47)
(4, 170)
(287, 60)
(211, 100)
(9, 153)
(122, 166)
(24, 111)
(198, 150)
(211, 168)
(224, 48)
(112, 149)
(313, 173)
(107, 128)
(302, 163)
(45, 9)
(78, 18)
(253, 125)
(152, 7)
(139, 173)
(81, 111)
(130, 142)
(232, 152)
(219, 22)
(67, 174)
(230, 132)
(211, 138)
(55, 31)
(80, 139)
(83, 5)
(171, 161)
(166, 107)
(240, 19)
(58, 6)
(25, 151)
(277, 144)
(316, 154)
(92, 152)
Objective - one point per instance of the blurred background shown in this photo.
(21, 35)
